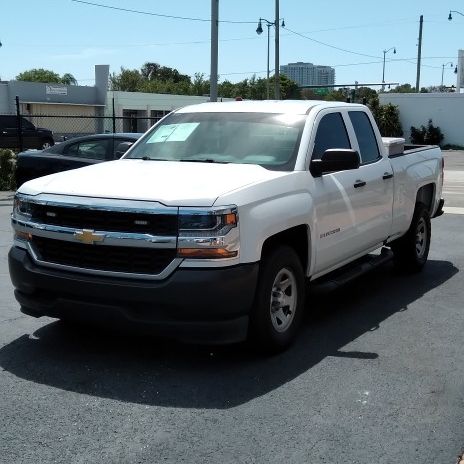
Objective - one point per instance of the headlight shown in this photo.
(207, 224)
(22, 207)
(208, 233)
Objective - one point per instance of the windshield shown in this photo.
(270, 140)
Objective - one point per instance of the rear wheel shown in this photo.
(279, 301)
(411, 250)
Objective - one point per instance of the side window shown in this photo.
(94, 149)
(118, 149)
(331, 133)
(27, 125)
(366, 136)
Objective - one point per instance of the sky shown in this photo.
(70, 37)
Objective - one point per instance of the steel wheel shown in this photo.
(283, 300)
(412, 249)
(421, 238)
(278, 307)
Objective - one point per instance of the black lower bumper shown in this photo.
(208, 305)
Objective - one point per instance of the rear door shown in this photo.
(375, 198)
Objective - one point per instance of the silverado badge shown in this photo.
(88, 236)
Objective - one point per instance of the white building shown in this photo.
(446, 110)
(308, 73)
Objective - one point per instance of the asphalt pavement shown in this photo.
(377, 377)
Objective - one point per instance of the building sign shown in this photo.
(56, 90)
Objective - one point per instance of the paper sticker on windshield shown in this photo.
(173, 132)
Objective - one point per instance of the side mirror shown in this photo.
(122, 148)
(335, 159)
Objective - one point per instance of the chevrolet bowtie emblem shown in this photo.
(88, 236)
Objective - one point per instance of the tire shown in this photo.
(279, 301)
(411, 250)
(46, 143)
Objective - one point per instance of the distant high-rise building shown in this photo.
(308, 73)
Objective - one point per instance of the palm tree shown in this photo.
(68, 79)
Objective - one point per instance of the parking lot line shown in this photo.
(453, 210)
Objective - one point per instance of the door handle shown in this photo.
(387, 175)
(359, 183)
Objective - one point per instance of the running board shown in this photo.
(346, 274)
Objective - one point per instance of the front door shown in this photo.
(353, 208)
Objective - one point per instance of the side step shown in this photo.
(351, 271)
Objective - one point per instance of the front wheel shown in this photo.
(279, 301)
(411, 250)
(47, 143)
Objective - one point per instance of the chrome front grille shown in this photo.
(98, 219)
(134, 239)
(103, 258)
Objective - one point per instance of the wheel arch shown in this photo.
(298, 238)
(426, 195)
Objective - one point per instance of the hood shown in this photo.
(167, 182)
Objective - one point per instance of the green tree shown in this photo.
(403, 88)
(388, 119)
(68, 79)
(289, 88)
(128, 80)
(153, 71)
(46, 76)
(200, 86)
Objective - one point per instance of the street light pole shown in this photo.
(383, 70)
(213, 77)
(277, 70)
(443, 70)
(259, 30)
(450, 17)
(267, 75)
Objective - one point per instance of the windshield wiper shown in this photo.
(204, 160)
(147, 158)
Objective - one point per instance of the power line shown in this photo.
(330, 46)
(160, 15)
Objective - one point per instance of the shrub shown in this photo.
(7, 169)
(429, 135)
(387, 118)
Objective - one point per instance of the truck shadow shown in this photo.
(166, 373)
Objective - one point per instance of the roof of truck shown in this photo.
(263, 106)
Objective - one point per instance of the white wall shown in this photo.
(149, 101)
(445, 109)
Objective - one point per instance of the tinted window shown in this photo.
(118, 149)
(365, 135)
(27, 125)
(331, 133)
(8, 122)
(94, 149)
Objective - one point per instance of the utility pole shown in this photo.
(276, 71)
(213, 77)
(419, 52)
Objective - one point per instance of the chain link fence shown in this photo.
(21, 131)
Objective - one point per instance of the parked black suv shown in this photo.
(33, 137)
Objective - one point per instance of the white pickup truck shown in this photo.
(212, 224)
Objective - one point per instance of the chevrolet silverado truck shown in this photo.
(213, 223)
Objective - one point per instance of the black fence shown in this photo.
(21, 130)
(67, 126)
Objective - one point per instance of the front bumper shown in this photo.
(200, 305)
